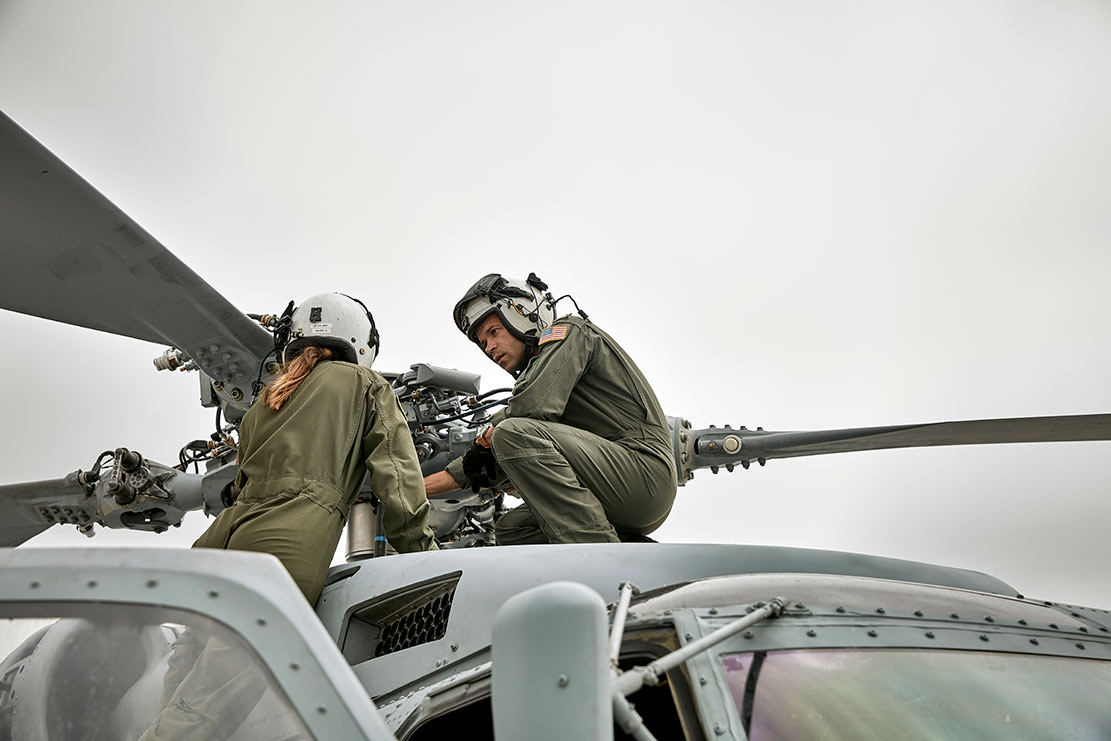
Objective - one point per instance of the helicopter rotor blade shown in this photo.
(715, 447)
(28, 509)
(72, 256)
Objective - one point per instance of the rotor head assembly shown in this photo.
(336, 321)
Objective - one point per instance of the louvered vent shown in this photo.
(422, 625)
(408, 617)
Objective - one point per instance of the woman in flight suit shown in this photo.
(305, 447)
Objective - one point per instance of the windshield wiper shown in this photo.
(649, 674)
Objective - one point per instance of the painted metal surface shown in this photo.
(249, 593)
(490, 576)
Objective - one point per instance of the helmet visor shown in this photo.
(471, 310)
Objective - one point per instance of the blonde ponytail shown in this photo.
(293, 372)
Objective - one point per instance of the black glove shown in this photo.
(479, 467)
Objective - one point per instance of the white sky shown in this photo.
(795, 215)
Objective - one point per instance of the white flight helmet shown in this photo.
(524, 307)
(335, 321)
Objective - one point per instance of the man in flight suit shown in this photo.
(583, 438)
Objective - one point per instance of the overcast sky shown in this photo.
(799, 215)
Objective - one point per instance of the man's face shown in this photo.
(502, 347)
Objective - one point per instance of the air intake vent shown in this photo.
(408, 617)
(425, 624)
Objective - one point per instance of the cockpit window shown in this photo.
(910, 694)
(111, 671)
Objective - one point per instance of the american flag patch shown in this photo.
(553, 334)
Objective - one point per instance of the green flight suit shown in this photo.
(299, 470)
(584, 441)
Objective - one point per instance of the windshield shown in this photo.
(910, 694)
(106, 671)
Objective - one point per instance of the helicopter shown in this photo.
(506, 644)
(1012, 133)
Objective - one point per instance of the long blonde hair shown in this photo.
(293, 372)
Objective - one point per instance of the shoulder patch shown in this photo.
(553, 334)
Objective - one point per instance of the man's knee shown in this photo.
(522, 438)
(512, 429)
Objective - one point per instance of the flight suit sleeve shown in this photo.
(395, 475)
(544, 387)
(455, 468)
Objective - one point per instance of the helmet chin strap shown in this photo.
(527, 356)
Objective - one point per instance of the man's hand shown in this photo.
(480, 467)
(484, 435)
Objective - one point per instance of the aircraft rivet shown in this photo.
(1076, 614)
(294, 666)
(682, 437)
(1103, 629)
(261, 621)
(840, 609)
(1080, 646)
(880, 610)
(989, 619)
(152, 583)
(1053, 625)
(983, 638)
(873, 633)
(563, 680)
(1034, 641)
(748, 634)
(213, 594)
(702, 680)
(321, 710)
(688, 636)
(683, 457)
(811, 633)
(213, 348)
(455, 647)
(929, 634)
(92, 583)
(34, 585)
(918, 613)
(1022, 621)
(800, 606)
(955, 616)
(713, 611)
(719, 729)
